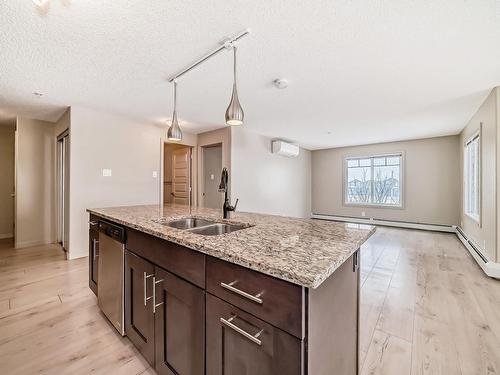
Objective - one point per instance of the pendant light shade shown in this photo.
(174, 132)
(234, 112)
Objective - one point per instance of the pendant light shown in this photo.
(174, 132)
(234, 113)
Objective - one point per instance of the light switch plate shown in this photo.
(155, 174)
(107, 172)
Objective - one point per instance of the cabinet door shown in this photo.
(139, 319)
(239, 343)
(93, 259)
(179, 326)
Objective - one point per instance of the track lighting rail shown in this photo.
(227, 44)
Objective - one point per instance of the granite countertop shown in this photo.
(302, 251)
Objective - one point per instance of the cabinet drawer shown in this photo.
(184, 262)
(274, 301)
(243, 344)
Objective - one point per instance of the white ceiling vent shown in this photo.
(285, 149)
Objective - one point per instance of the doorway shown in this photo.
(212, 166)
(177, 180)
(63, 189)
(7, 183)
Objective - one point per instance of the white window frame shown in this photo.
(402, 184)
(473, 217)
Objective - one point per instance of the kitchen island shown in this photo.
(257, 294)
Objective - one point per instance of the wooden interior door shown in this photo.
(239, 343)
(139, 319)
(181, 176)
(179, 326)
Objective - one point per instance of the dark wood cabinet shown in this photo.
(192, 314)
(275, 301)
(164, 318)
(139, 321)
(179, 326)
(239, 343)
(93, 254)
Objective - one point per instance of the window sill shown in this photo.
(475, 218)
(370, 205)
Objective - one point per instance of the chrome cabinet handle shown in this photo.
(94, 243)
(93, 222)
(146, 298)
(252, 298)
(253, 338)
(155, 305)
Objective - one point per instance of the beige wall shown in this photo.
(268, 183)
(484, 234)
(35, 183)
(431, 181)
(63, 123)
(7, 180)
(132, 149)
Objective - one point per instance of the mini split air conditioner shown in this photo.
(285, 149)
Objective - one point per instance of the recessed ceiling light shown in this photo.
(280, 83)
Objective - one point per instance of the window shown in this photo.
(374, 180)
(472, 175)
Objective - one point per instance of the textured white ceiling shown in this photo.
(366, 71)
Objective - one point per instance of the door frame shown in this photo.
(192, 170)
(62, 148)
(201, 183)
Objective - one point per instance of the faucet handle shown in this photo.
(235, 204)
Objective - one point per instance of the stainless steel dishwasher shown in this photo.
(110, 292)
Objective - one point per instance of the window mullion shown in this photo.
(371, 177)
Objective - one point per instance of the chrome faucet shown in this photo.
(223, 187)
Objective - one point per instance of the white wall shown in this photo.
(35, 183)
(6, 180)
(265, 182)
(431, 181)
(101, 140)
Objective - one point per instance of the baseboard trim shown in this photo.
(20, 245)
(491, 269)
(388, 223)
(6, 235)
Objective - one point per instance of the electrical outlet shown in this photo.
(107, 172)
(155, 174)
(363, 213)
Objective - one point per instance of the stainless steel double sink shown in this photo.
(202, 226)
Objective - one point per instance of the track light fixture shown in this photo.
(234, 112)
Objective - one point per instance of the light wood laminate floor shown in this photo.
(426, 308)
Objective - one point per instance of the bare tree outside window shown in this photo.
(374, 180)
